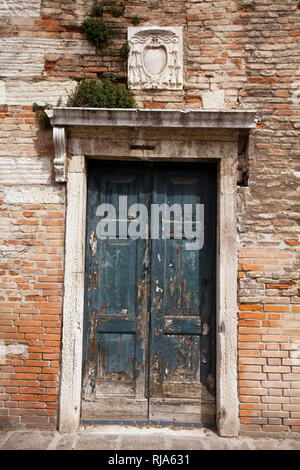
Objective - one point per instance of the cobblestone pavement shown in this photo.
(111, 437)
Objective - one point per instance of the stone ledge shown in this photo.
(152, 118)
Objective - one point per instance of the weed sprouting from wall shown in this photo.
(135, 21)
(97, 32)
(117, 12)
(97, 9)
(125, 50)
(42, 118)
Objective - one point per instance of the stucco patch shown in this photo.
(12, 349)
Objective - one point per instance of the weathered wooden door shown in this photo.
(149, 330)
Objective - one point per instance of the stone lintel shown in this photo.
(152, 118)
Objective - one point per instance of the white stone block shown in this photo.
(2, 92)
(213, 100)
(20, 8)
(21, 92)
(33, 195)
(25, 57)
(25, 170)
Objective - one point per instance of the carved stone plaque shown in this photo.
(155, 58)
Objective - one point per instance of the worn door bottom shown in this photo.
(147, 423)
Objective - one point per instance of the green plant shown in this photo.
(34, 107)
(101, 94)
(97, 9)
(125, 50)
(135, 21)
(41, 116)
(97, 31)
(118, 11)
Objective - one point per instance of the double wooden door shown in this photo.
(149, 327)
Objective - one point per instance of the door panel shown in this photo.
(115, 302)
(149, 330)
(182, 309)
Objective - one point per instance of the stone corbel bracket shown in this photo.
(60, 160)
(60, 148)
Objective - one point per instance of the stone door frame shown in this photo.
(73, 171)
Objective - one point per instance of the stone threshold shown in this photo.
(136, 438)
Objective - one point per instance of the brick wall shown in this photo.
(31, 268)
(269, 322)
(237, 55)
(269, 339)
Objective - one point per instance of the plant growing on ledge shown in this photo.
(41, 116)
(101, 94)
(97, 31)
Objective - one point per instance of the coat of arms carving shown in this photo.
(155, 58)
